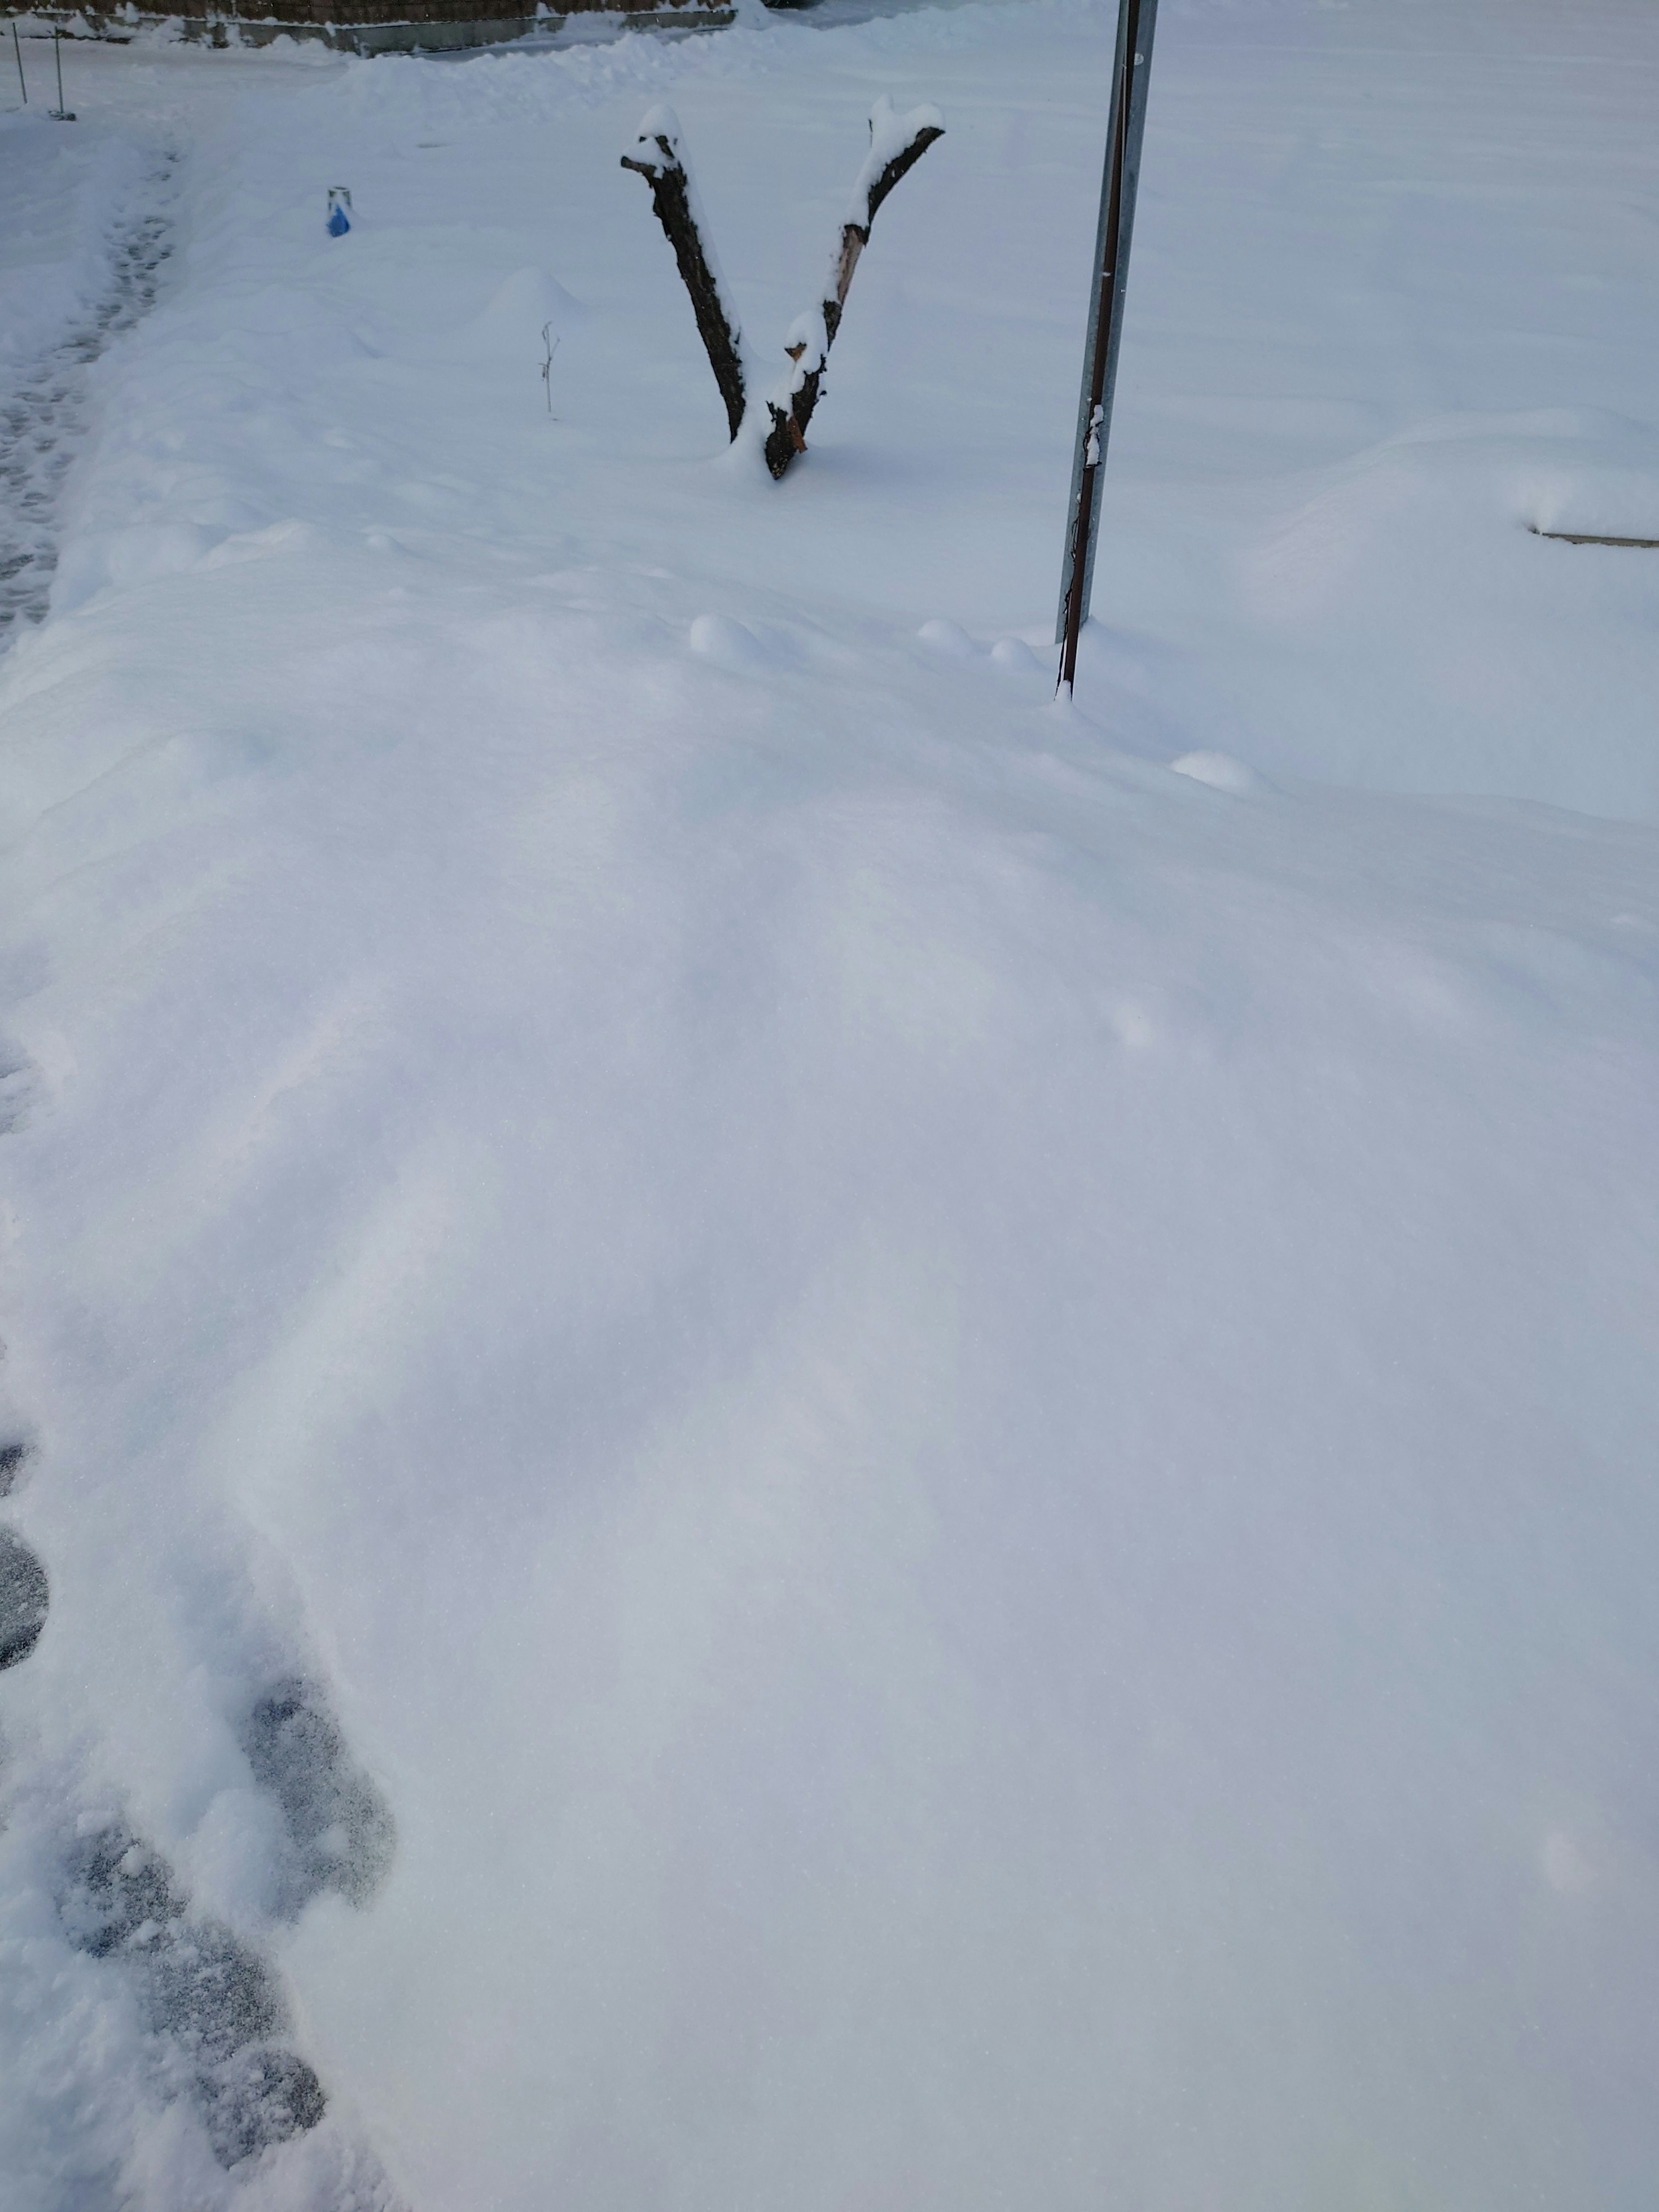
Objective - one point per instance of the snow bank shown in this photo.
(951, 1405)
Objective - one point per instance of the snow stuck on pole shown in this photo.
(1125, 129)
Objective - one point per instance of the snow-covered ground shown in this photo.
(805, 1443)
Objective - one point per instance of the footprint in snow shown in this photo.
(25, 1600)
(213, 2000)
(206, 1992)
(15, 1456)
(338, 1830)
(25, 1592)
(16, 1087)
(44, 408)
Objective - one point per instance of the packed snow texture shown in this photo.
(800, 1434)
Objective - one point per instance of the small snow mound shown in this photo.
(142, 553)
(1220, 771)
(1014, 656)
(727, 643)
(529, 301)
(948, 639)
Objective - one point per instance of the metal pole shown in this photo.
(60, 114)
(1126, 124)
(18, 51)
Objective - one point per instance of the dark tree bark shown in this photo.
(897, 144)
(658, 159)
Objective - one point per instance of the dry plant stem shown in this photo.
(1584, 537)
(787, 436)
(672, 199)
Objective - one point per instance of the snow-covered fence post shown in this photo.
(897, 142)
(1136, 22)
(659, 159)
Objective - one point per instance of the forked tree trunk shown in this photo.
(897, 142)
(658, 159)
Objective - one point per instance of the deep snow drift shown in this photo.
(806, 1437)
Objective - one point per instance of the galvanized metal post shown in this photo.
(1125, 128)
(60, 114)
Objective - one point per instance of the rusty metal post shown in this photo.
(1126, 125)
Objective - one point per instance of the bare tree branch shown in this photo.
(897, 142)
(659, 159)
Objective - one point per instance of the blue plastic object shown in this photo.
(339, 211)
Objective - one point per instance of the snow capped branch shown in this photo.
(659, 158)
(897, 142)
